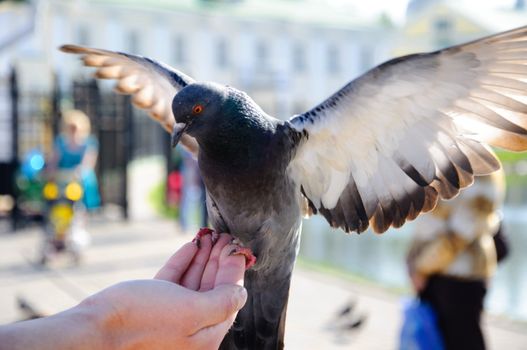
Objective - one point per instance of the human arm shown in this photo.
(89, 158)
(190, 304)
(433, 257)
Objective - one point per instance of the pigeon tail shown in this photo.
(261, 322)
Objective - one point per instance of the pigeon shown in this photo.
(347, 319)
(377, 153)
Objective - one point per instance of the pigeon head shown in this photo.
(195, 108)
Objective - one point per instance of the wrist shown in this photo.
(99, 324)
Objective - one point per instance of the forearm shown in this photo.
(76, 328)
(89, 160)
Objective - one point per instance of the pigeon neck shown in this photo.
(238, 134)
(232, 143)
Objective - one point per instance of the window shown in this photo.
(262, 55)
(133, 42)
(333, 60)
(179, 49)
(299, 58)
(222, 59)
(83, 36)
(366, 58)
(442, 29)
(442, 25)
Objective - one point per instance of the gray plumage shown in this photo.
(243, 159)
(378, 152)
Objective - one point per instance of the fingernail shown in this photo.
(197, 241)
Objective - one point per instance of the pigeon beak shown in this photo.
(177, 132)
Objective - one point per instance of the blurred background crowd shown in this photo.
(288, 55)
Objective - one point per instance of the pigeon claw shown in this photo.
(250, 259)
(237, 241)
(202, 232)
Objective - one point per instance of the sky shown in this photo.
(396, 8)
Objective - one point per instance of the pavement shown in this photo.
(135, 250)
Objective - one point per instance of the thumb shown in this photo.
(220, 304)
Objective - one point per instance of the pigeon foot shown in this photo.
(237, 241)
(205, 231)
(250, 259)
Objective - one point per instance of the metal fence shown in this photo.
(8, 162)
(31, 120)
(111, 117)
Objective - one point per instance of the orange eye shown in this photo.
(197, 109)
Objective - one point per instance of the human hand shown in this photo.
(191, 303)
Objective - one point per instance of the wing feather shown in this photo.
(482, 159)
(152, 84)
(387, 145)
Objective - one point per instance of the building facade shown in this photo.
(289, 55)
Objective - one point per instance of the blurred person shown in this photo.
(71, 189)
(76, 151)
(453, 256)
(190, 304)
(193, 194)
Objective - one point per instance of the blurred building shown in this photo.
(288, 54)
(434, 24)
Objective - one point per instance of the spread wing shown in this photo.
(388, 144)
(152, 84)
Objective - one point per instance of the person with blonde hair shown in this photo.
(76, 150)
(453, 256)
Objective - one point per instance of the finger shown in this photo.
(231, 268)
(219, 304)
(192, 277)
(178, 263)
(209, 274)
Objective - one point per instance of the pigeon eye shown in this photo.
(197, 109)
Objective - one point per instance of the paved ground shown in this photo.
(129, 251)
